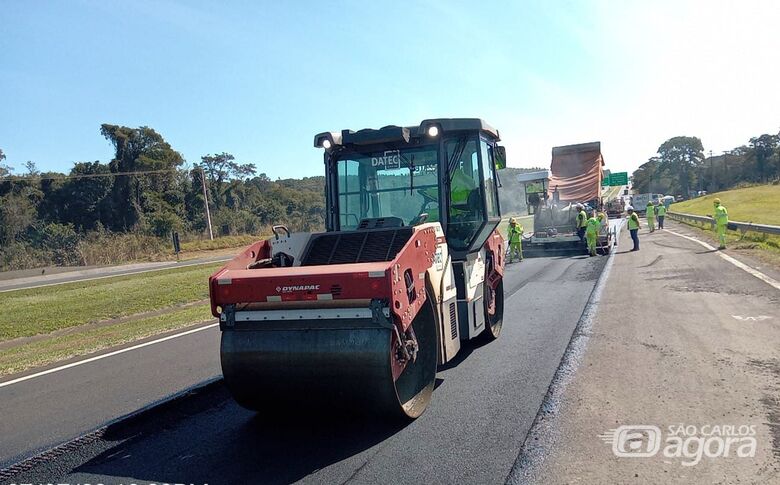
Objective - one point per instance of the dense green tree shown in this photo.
(220, 170)
(139, 150)
(762, 150)
(85, 198)
(681, 156)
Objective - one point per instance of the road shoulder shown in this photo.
(681, 337)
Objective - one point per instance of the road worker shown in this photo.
(650, 214)
(582, 222)
(515, 237)
(592, 233)
(721, 222)
(603, 219)
(633, 227)
(661, 215)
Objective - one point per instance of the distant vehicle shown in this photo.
(615, 207)
(639, 201)
(679, 198)
(576, 172)
(667, 200)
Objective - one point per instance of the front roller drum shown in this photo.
(344, 364)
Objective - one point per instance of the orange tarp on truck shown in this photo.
(576, 171)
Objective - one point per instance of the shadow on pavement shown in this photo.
(227, 444)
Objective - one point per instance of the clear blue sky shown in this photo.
(259, 79)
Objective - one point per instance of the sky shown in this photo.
(259, 79)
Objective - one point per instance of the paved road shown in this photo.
(48, 410)
(695, 339)
(27, 281)
(483, 407)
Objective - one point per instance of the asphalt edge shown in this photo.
(544, 433)
(113, 425)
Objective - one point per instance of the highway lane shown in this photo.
(45, 411)
(483, 406)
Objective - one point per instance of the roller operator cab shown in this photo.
(410, 265)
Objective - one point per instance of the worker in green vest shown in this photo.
(515, 238)
(633, 227)
(650, 214)
(721, 222)
(592, 233)
(582, 222)
(661, 215)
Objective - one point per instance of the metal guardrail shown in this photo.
(734, 225)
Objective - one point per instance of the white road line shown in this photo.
(104, 356)
(758, 274)
(79, 280)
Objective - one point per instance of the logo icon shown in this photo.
(636, 441)
(290, 289)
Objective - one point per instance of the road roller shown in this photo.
(409, 268)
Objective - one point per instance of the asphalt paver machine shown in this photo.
(410, 266)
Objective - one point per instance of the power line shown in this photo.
(19, 178)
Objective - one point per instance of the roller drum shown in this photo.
(337, 364)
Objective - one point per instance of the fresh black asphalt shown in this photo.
(483, 407)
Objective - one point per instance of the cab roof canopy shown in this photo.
(394, 134)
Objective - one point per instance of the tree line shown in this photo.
(682, 168)
(147, 189)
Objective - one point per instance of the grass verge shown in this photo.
(750, 204)
(763, 247)
(55, 349)
(223, 242)
(43, 310)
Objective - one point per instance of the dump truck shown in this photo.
(410, 265)
(575, 178)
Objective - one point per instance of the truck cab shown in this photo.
(443, 170)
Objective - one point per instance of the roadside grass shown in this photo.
(750, 204)
(224, 242)
(43, 310)
(49, 350)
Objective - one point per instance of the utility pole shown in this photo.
(712, 173)
(206, 202)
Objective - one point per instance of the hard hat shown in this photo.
(716, 201)
(512, 220)
(629, 208)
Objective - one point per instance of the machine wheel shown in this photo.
(494, 314)
(414, 387)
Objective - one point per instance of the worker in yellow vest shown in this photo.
(582, 222)
(515, 237)
(661, 215)
(721, 222)
(633, 227)
(650, 214)
(592, 233)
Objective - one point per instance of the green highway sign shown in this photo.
(618, 178)
(605, 180)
